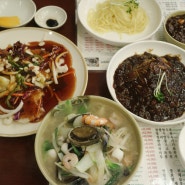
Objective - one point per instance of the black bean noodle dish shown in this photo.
(151, 86)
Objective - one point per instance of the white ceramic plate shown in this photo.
(155, 47)
(24, 9)
(29, 34)
(50, 12)
(152, 9)
(181, 147)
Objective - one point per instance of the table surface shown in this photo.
(17, 158)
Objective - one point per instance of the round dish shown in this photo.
(152, 9)
(29, 34)
(100, 106)
(23, 9)
(50, 17)
(168, 36)
(155, 47)
(181, 147)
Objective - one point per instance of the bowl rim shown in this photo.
(174, 13)
(129, 116)
(46, 8)
(180, 147)
(34, 11)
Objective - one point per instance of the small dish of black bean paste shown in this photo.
(151, 86)
(51, 23)
(175, 26)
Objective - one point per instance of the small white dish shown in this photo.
(23, 9)
(50, 17)
(181, 147)
(152, 9)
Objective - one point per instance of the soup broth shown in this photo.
(105, 149)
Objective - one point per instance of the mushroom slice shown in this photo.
(84, 136)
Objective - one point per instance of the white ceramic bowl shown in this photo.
(152, 9)
(181, 147)
(24, 9)
(167, 36)
(155, 47)
(96, 105)
(55, 14)
(30, 34)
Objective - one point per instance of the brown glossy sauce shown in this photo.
(66, 85)
(64, 91)
(44, 99)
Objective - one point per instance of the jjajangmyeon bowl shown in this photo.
(147, 78)
(88, 140)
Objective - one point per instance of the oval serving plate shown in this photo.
(29, 34)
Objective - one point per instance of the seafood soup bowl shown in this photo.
(88, 140)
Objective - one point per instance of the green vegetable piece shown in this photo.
(132, 4)
(20, 85)
(77, 151)
(157, 91)
(114, 179)
(159, 96)
(47, 145)
(113, 166)
(116, 172)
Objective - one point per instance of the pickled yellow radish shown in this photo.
(9, 21)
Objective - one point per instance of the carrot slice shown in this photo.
(65, 74)
(29, 84)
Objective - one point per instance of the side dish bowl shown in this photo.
(24, 10)
(50, 17)
(175, 25)
(66, 118)
(158, 48)
(153, 12)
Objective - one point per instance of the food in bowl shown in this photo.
(33, 78)
(119, 16)
(88, 140)
(16, 13)
(175, 26)
(151, 86)
(9, 21)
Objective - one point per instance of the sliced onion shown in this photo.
(59, 56)
(10, 112)
(54, 73)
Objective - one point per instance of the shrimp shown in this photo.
(70, 160)
(94, 120)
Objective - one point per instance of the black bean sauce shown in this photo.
(52, 22)
(137, 77)
(175, 26)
